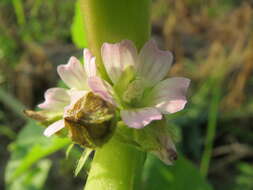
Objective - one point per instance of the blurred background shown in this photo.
(213, 46)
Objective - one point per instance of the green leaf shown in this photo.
(180, 176)
(78, 32)
(34, 178)
(28, 149)
(82, 160)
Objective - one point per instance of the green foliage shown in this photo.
(82, 160)
(12, 103)
(244, 179)
(181, 176)
(6, 131)
(32, 179)
(70, 147)
(19, 11)
(78, 32)
(211, 127)
(51, 23)
(27, 151)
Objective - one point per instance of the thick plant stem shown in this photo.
(116, 166)
(115, 20)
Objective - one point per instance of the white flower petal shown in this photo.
(169, 96)
(89, 63)
(171, 106)
(73, 74)
(117, 57)
(139, 118)
(55, 99)
(153, 64)
(101, 88)
(54, 128)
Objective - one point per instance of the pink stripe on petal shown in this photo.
(54, 128)
(55, 99)
(117, 57)
(101, 88)
(171, 106)
(139, 118)
(73, 74)
(87, 55)
(89, 63)
(169, 96)
(153, 64)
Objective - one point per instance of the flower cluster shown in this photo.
(137, 89)
(59, 100)
(137, 86)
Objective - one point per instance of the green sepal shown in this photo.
(156, 138)
(70, 147)
(127, 76)
(81, 162)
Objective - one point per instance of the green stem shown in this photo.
(115, 20)
(211, 127)
(116, 166)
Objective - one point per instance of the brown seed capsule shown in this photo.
(90, 121)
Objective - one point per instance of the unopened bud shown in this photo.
(157, 139)
(90, 121)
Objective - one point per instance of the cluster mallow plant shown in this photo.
(138, 93)
(117, 100)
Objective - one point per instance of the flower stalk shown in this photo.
(112, 21)
(116, 166)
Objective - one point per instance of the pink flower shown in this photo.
(58, 100)
(139, 87)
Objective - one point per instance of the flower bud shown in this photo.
(156, 138)
(90, 121)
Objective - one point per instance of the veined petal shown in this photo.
(54, 128)
(73, 74)
(171, 106)
(55, 99)
(117, 56)
(89, 63)
(139, 118)
(169, 96)
(101, 88)
(153, 64)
